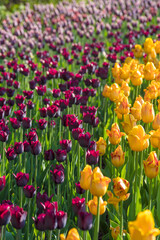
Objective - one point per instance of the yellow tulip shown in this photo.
(123, 107)
(92, 204)
(148, 45)
(101, 146)
(137, 138)
(85, 179)
(129, 123)
(138, 51)
(155, 138)
(113, 200)
(149, 71)
(115, 134)
(117, 157)
(156, 122)
(106, 91)
(99, 183)
(115, 70)
(125, 88)
(136, 77)
(157, 46)
(143, 228)
(121, 187)
(114, 92)
(115, 232)
(147, 112)
(73, 234)
(124, 71)
(151, 165)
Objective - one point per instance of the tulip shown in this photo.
(85, 220)
(3, 136)
(149, 71)
(49, 155)
(123, 107)
(136, 110)
(151, 165)
(101, 146)
(42, 124)
(147, 112)
(78, 205)
(10, 153)
(106, 91)
(121, 187)
(113, 200)
(79, 190)
(99, 183)
(18, 217)
(5, 214)
(36, 147)
(29, 191)
(50, 220)
(156, 122)
(18, 147)
(114, 93)
(116, 70)
(42, 198)
(125, 88)
(148, 45)
(84, 139)
(58, 174)
(40, 222)
(21, 179)
(27, 147)
(2, 182)
(138, 139)
(143, 227)
(117, 157)
(15, 123)
(85, 179)
(138, 51)
(61, 155)
(155, 138)
(136, 77)
(115, 134)
(129, 123)
(26, 123)
(66, 145)
(92, 204)
(72, 235)
(61, 219)
(92, 157)
(76, 132)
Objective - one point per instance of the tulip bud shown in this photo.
(15, 123)
(27, 147)
(85, 179)
(92, 157)
(42, 124)
(42, 198)
(117, 157)
(147, 112)
(66, 145)
(5, 214)
(79, 190)
(101, 146)
(10, 153)
(115, 134)
(26, 123)
(49, 155)
(18, 147)
(36, 147)
(2, 182)
(121, 187)
(40, 222)
(21, 179)
(92, 204)
(151, 165)
(61, 155)
(84, 139)
(61, 219)
(58, 174)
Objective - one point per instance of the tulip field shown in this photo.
(80, 121)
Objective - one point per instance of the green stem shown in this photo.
(84, 235)
(58, 194)
(36, 167)
(150, 194)
(100, 162)
(18, 235)
(141, 167)
(135, 182)
(42, 235)
(96, 228)
(86, 198)
(49, 182)
(3, 231)
(121, 220)
(50, 235)
(21, 195)
(58, 235)
(78, 164)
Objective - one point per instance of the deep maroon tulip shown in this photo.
(52, 123)
(7, 110)
(86, 92)
(42, 198)
(10, 92)
(49, 155)
(20, 115)
(61, 155)
(28, 94)
(92, 146)
(30, 105)
(95, 83)
(3, 136)
(10, 102)
(29, 191)
(19, 99)
(84, 139)
(5, 214)
(88, 117)
(18, 147)
(66, 145)
(16, 84)
(79, 190)
(78, 204)
(63, 103)
(2, 91)
(32, 84)
(50, 220)
(36, 147)
(42, 124)
(76, 132)
(40, 222)
(93, 92)
(88, 82)
(53, 111)
(21, 179)
(61, 219)
(75, 123)
(46, 101)
(18, 217)
(2, 101)
(26, 123)
(56, 93)
(95, 121)
(2, 182)
(63, 87)
(58, 174)
(102, 73)
(15, 123)
(27, 147)
(32, 136)
(50, 206)
(41, 90)
(10, 153)
(43, 112)
(92, 157)
(83, 100)
(22, 107)
(85, 221)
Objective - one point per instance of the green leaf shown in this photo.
(158, 205)
(9, 236)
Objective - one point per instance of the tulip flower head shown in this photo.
(120, 188)
(101, 146)
(115, 134)
(85, 179)
(92, 204)
(129, 122)
(117, 157)
(151, 165)
(143, 227)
